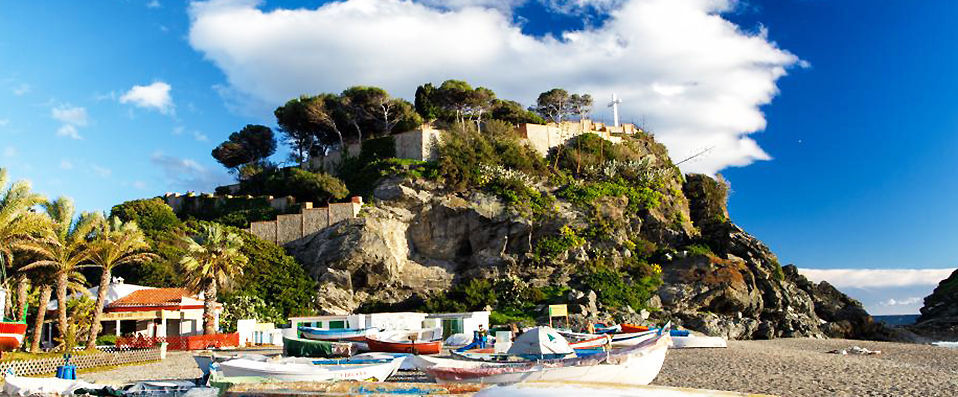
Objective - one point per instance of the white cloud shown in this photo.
(66, 164)
(139, 185)
(21, 89)
(909, 301)
(69, 131)
(4, 122)
(9, 152)
(73, 115)
(199, 136)
(877, 278)
(155, 96)
(187, 174)
(725, 74)
(154, 4)
(101, 171)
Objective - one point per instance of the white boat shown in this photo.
(620, 340)
(695, 342)
(24, 386)
(405, 336)
(578, 389)
(307, 372)
(634, 365)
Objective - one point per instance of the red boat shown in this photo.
(630, 328)
(11, 335)
(377, 345)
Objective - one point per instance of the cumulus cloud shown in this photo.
(73, 115)
(69, 131)
(877, 278)
(155, 96)
(188, 174)
(909, 301)
(696, 79)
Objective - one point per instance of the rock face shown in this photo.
(939, 315)
(416, 240)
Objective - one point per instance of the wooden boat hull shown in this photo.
(637, 365)
(376, 345)
(295, 372)
(11, 335)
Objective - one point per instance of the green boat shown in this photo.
(296, 347)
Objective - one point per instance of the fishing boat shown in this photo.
(345, 334)
(632, 328)
(635, 365)
(621, 340)
(409, 346)
(308, 372)
(698, 342)
(296, 347)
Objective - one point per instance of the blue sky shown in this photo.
(833, 121)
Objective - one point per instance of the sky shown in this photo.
(833, 120)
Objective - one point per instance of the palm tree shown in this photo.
(213, 260)
(116, 243)
(63, 250)
(17, 223)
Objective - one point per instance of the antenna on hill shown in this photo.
(708, 149)
(615, 109)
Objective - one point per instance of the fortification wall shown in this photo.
(286, 228)
(545, 137)
(193, 202)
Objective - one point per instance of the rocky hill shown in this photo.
(620, 235)
(939, 315)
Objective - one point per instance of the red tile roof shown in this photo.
(153, 297)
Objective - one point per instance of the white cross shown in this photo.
(615, 109)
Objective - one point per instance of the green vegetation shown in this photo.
(548, 248)
(212, 262)
(249, 146)
(618, 289)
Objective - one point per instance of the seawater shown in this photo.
(950, 345)
(897, 319)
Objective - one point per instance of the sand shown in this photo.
(786, 367)
(801, 367)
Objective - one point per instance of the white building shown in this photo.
(451, 323)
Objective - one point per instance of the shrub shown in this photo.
(474, 294)
(463, 151)
(699, 249)
(316, 187)
(616, 289)
(549, 248)
(586, 193)
(153, 216)
(243, 307)
(106, 340)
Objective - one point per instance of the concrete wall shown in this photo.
(310, 220)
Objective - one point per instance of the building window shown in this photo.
(337, 324)
(451, 326)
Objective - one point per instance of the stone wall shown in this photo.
(194, 202)
(545, 137)
(310, 220)
(419, 144)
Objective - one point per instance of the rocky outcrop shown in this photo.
(939, 315)
(416, 240)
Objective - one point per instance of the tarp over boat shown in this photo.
(540, 342)
(317, 348)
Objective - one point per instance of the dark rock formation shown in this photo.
(939, 315)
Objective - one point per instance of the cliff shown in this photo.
(939, 315)
(612, 250)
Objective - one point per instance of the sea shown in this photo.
(909, 319)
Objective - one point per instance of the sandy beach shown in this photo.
(785, 367)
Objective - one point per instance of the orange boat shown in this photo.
(377, 345)
(630, 328)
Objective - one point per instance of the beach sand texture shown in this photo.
(801, 367)
(785, 367)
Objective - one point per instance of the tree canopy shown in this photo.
(557, 104)
(252, 144)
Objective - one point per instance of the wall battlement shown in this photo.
(309, 220)
(196, 202)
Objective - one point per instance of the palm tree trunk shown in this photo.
(209, 306)
(95, 327)
(45, 292)
(62, 325)
(23, 290)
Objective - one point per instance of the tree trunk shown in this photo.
(62, 325)
(23, 290)
(45, 292)
(95, 327)
(209, 306)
